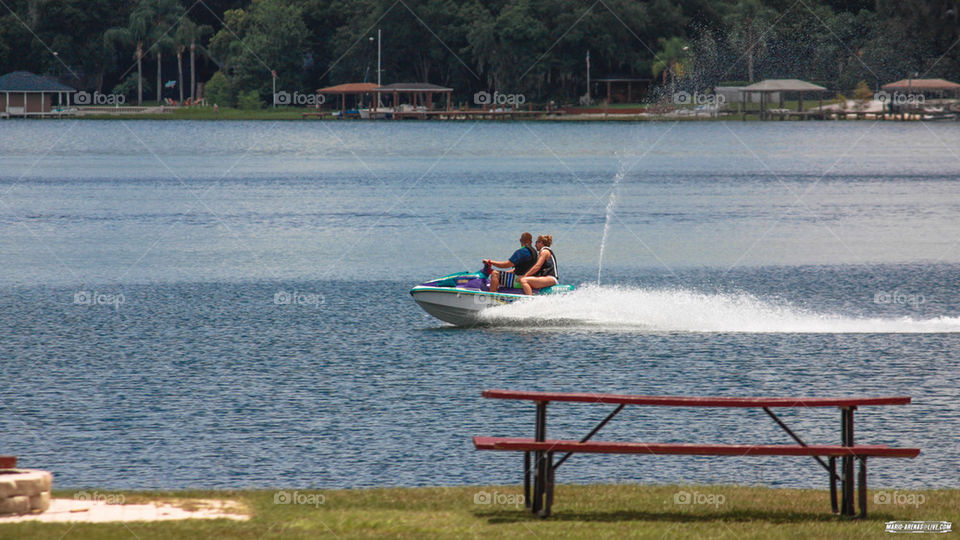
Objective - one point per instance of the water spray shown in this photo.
(611, 204)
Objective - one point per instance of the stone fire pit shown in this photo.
(24, 491)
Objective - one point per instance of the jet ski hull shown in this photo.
(459, 298)
(460, 307)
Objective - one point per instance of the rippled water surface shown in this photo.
(224, 304)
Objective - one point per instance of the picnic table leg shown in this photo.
(526, 478)
(862, 488)
(548, 502)
(833, 484)
(846, 492)
(540, 472)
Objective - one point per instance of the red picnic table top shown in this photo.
(696, 401)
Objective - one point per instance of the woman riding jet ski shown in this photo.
(459, 298)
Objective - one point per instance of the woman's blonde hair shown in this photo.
(546, 239)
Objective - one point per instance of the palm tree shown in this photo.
(188, 34)
(164, 15)
(158, 46)
(150, 22)
(747, 22)
(134, 34)
(671, 60)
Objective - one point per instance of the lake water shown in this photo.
(143, 344)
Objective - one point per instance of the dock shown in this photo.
(452, 114)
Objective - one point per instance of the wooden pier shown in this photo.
(452, 114)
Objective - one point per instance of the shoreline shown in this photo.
(633, 118)
(296, 116)
(472, 115)
(580, 511)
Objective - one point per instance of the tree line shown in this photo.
(241, 48)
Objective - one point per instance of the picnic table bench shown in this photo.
(544, 466)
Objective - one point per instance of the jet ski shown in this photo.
(459, 298)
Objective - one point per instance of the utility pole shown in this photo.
(379, 56)
(588, 79)
(379, 71)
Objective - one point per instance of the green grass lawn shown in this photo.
(207, 113)
(593, 512)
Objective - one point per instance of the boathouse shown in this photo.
(928, 87)
(775, 89)
(26, 94)
(418, 94)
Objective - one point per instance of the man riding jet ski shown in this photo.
(459, 298)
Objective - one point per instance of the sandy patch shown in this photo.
(67, 510)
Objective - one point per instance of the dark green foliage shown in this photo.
(534, 47)
(220, 91)
(250, 101)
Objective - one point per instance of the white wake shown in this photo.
(683, 310)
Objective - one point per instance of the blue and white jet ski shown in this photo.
(459, 298)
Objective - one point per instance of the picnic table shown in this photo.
(544, 466)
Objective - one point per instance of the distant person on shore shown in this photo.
(521, 261)
(544, 273)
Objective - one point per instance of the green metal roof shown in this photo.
(24, 81)
(783, 85)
